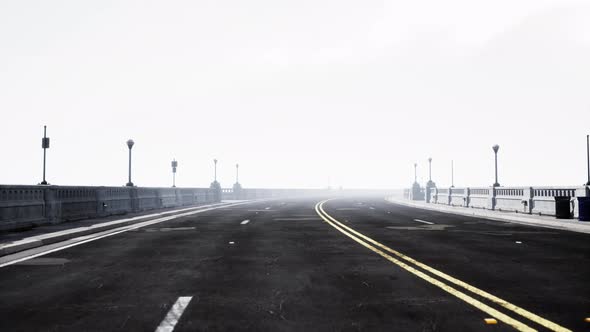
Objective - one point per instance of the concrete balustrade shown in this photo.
(529, 200)
(26, 206)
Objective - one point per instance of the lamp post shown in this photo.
(452, 174)
(496, 148)
(429, 170)
(215, 166)
(415, 173)
(237, 173)
(588, 157)
(174, 165)
(430, 183)
(130, 144)
(45, 146)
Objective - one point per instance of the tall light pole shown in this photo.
(237, 173)
(452, 174)
(430, 183)
(45, 146)
(415, 173)
(215, 166)
(588, 157)
(496, 148)
(174, 165)
(130, 145)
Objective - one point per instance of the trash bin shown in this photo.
(584, 208)
(562, 207)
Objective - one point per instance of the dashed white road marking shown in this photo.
(424, 221)
(267, 208)
(245, 222)
(372, 208)
(173, 316)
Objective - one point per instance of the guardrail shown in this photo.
(530, 200)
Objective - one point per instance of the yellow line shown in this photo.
(479, 305)
(505, 304)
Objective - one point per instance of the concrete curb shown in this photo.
(8, 248)
(546, 222)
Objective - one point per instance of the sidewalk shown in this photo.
(12, 242)
(572, 225)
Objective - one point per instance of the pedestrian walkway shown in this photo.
(518, 218)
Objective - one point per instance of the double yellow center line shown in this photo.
(411, 265)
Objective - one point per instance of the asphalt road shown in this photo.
(295, 265)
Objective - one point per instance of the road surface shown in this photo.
(342, 264)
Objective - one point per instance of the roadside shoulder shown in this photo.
(523, 219)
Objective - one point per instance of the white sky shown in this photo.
(300, 93)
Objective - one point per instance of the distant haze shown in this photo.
(299, 93)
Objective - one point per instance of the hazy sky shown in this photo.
(300, 93)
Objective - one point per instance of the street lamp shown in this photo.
(452, 174)
(174, 165)
(588, 157)
(429, 170)
(496, 148)
(215, 162)
(45, 146)
(130, 145)
(430, 184)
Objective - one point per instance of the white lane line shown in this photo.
(173, 316)
(245, 222)
(424, 221)
(296, 218)
(40, 251)
(267, 208)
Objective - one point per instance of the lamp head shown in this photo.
(130, 143)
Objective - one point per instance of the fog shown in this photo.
(301, 94)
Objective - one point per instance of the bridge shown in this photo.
(182, 259)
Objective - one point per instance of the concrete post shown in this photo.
(527, 200)
(466, 201)
(450, 196)
(580, 192)
(492, 198)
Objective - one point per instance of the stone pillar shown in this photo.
(492, 199)
(427, 194)
(237, 190)
(216, 191)
(527, 200)
(580, 192)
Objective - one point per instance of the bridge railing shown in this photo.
(530, 200)
(25, 206)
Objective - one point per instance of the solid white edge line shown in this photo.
(424, 221)
(245, 222)
(173, 316)
(114, 232)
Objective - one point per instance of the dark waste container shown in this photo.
(584, 208)
(562, 207)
